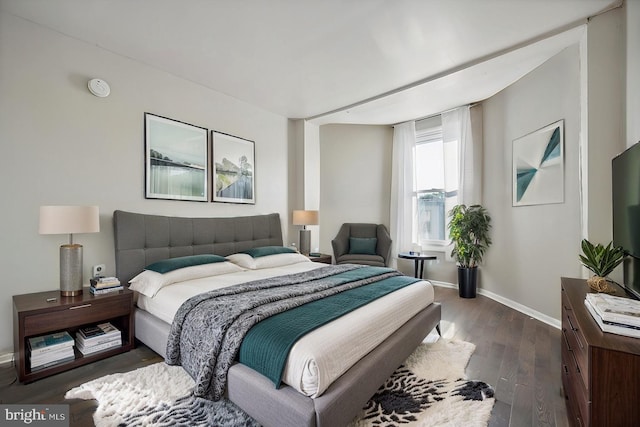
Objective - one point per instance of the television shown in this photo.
(626, 213)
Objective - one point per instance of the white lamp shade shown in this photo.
(69, 219)
(305, 217)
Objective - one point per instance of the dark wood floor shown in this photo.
(518, 355)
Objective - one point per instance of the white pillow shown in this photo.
(149, 282)
(269, 261)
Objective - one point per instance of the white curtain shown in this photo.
(401, 215)
(462, 131)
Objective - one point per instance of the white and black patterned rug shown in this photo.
(428, 390)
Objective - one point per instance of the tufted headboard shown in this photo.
(142, 239)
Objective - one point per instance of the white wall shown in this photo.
(355, 177)
(606, 117)
(62, 145)
(533, 245)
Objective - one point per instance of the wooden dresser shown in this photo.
(600, 371)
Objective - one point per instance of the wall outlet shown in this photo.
(99, 270)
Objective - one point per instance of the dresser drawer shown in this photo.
(576, 341)
(92, 311)
(574, 387)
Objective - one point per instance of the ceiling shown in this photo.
(330, 61)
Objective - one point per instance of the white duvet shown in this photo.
(322, 356)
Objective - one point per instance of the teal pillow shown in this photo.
(362, 245)
(268, 250)
(171, 264)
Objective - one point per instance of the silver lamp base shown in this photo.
(70, 270)
(305, 241)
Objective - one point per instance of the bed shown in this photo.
(142, 239)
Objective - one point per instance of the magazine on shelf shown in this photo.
(53, 363)
(46, 358)
(616, 309)
(619, 329)
(103, 333)
(83, 342)
(50, 342)
(86, 350)
(89, 332)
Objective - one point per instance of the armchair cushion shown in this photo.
(363, 245)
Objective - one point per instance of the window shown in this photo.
(435, 189)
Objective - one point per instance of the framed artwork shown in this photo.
(538, 166)
(233, 169)
(176, 160)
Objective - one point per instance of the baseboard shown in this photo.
(512, 304)
(6, 358)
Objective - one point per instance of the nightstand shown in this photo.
(46, 312)
(324, 258)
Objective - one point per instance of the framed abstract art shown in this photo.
(538, 166)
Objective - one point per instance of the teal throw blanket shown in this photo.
(266, 345)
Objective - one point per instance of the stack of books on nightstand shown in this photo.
(104, 285)
(49, 350)
(92, 339)
(616, 315)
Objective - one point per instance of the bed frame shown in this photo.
(142, 239)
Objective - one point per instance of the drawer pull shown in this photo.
(566, 340)
(80, 306)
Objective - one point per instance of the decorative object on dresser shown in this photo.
(43, 313)
(615, 315)
(602, 260)
(599, 369)
(305, 218)
(70, 220)
(469, 232)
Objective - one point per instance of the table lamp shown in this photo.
(70, 220)
(305, 218)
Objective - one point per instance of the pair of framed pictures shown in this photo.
(181, 161)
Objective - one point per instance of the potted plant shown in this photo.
(602, 260)
(469, 233)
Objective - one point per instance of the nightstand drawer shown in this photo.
(91, 311)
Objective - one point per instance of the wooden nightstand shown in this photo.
(33, 315)
(324, 258)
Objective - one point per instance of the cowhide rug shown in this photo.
(430, 389)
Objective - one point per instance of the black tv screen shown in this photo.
(626, 213)
(626, 200)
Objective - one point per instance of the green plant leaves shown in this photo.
(469, 232)
(602, 260)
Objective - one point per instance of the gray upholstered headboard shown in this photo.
(142, 239)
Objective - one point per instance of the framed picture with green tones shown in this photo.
(233, 169)
(176, 160)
